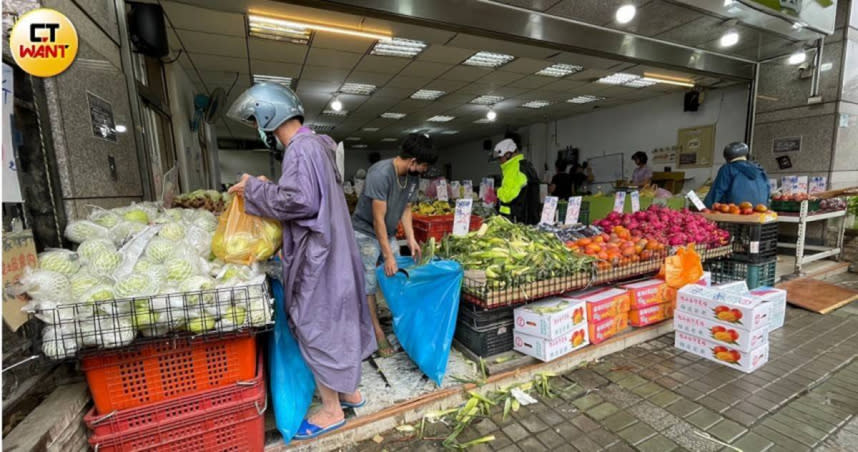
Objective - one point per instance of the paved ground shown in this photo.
(654, 397)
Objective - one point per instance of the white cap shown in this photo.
(504, 147)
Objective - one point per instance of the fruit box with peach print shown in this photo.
(777, 299)
(739, 338)
(550, 349)
(550, 318)
(723, 354)
(601, 331)
(647, 293)
(606, 304)
(734, 310)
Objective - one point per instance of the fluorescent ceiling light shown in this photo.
(668, 79)
(321, 127)
(288, 27)
(278, 30)
(483, 121)
(796, 58)
(370, 129)
(585, 99)
(335, 112)
(285, 81)
(449, 132)
(627, 80)
(626, 13)
(352, 138)
(729, 3)
(486, 100)
(427, 94)
(488, 59)
(560, 70)
(491, 115)
(441, 118)
(336, 104)
(729, 39)
(641, 83)
(398, 47)
(392, 115)
(363, 89)
(359, 146)
(536, 104)
(387, 140)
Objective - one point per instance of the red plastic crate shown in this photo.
(223, 419)
(437, 226)
(149, 373)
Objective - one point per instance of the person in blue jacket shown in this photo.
(739, 180)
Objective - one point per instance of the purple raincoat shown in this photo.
(323, 274)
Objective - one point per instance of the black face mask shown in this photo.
(414, 173)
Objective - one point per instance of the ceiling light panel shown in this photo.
(640, 83)
(441, 118)
(370, 129)
(487, 100)
(618, 79)
(560, 70)
(449, 132)
(321, 127)
(359, 146)
(488, 59)
(352, 138)
(363, 89)
(335, 113)
(483, 121)
(586, 99)
(536, 104)
(398, 47)
(392, 115)
(427, 94)
(387, 140)
(285, 81)
(278, 30)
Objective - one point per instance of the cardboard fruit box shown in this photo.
(608, 328)
(777, 299)
(550, 318)
(550, 349)
(732, 337)
(734, 310)
(729, 356)
(651, 314)
(647, 293)
(606, 304)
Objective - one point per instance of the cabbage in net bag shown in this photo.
(241, 238)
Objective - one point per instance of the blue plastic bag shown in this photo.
(424, 301)
(292, 383)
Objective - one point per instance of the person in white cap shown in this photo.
(518, 195)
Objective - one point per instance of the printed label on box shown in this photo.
(777, 298)
(645, 293)
(734, 337)
(607, 304)
(650, 314)
(550, 349)
(608, 328)
(550, 318)
(709, 303)
(729, 356)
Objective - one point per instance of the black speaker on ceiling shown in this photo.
(147, 29)
(691, 101)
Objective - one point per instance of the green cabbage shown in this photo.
(78, 231)
(172, 231)
(136, 215)
(45, 285)
(135, 285)
(160, 249)
(82, 282)
(106, 218)
(201, 324)
(60, 261)
(105, 263)
(92, 247)
(178, 269)
(124, 231)
(100, 292)
(56, 344)
(235, 315)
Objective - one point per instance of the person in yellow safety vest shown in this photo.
(518, 194)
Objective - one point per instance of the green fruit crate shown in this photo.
(729, 270)
(794, 206)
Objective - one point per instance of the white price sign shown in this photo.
(636, 201)
(456, 188)
(695, 200)
(468, 189)
(462, 218)
(573, 210)
(549, 210)
(619, 201)
(442, 190)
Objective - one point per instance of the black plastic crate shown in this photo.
(583, 212)
(753, 243)
(755, 275)
(486, 341)
(478, 317)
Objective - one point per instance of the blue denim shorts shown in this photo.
(370, 255)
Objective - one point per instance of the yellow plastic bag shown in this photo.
(241, 238)
(683, 268)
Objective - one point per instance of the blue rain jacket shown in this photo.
(738, 182)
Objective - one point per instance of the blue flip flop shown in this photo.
(345, 404)
(310, 431)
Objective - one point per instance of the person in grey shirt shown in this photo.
(390, 188)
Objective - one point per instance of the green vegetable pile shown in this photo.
(510, 252)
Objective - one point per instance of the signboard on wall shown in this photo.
(11, 188)
(101, 114)
(786, 144)
(696, 146)
(818, 14)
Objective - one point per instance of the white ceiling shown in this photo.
(214, 38)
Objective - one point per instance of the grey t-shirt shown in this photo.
(383, 184)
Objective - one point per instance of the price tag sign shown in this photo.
(468, 189)
(619, 201)
(573, 210)
(549, 210)
(462, 218)
(636, 201)
(456, 188)
(442, 190)
(695, 200)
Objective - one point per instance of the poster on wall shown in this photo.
(696, 146)
(101, 114)
(11, 188)
(786, 144)
(665, 155)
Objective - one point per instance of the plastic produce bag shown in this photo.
(419, 296)
(241, 238)
(292, 382)
(682, 268)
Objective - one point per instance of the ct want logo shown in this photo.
(43, 42)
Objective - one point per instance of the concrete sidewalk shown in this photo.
(654, 397)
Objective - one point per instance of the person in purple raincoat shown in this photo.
(322, 269)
